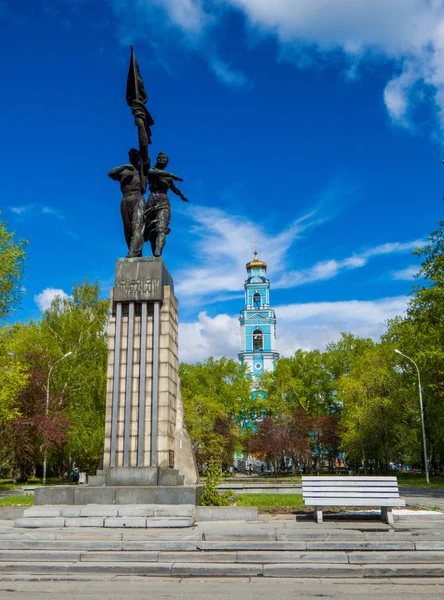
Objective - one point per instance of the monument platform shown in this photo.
(119, 495)
(148, 456)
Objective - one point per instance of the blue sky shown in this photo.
(315, 128)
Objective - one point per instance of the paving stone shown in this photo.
(292, 557)
(98, 511)
(418, 581)
(162, 534)
(84, 522)
(410, 570)
(430, 557)
(27, 534)
(88, 533)
(55, 577)
(35, 555)
(289, 535)
(70, 511)
(61, 545)
(355, 545)
(203, 557)
(249, 545)
(226, 513)
(311, 570)
(169, 522)
(136, 557)
(34, 522)
(143, 568)
(135, 511)
(215, 569)
(429, 545)
(125, 522)
(364, 525)
(184, 510)
(41, 512)
(154, 579)
(252, 535)
(37, 566)
(160, 545)
(208, 580)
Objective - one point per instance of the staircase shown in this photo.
(275, 548)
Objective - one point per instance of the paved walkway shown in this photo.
(422, 496)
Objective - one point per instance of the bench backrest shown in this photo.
(349, 487)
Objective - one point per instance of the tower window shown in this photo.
(258, 340)
(257, 300)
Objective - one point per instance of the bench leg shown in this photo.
(317, 513)
(387, 515)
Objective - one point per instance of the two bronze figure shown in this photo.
(144, 220)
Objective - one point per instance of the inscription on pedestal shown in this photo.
(139, 279)
(130, 289)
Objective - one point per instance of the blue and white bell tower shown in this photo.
(258, 322)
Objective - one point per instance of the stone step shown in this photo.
(111, 510)
(68, 542)
(239, 557)
(108, 515)
(201, 569)
(114, 522)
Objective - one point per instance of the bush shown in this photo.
(211, 496)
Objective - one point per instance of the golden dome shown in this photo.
(256, 263)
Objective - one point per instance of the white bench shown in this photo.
(352, 491)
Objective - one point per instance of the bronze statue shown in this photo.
(144, 221)
(158, 210)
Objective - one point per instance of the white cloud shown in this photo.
(209, 336)
(328, 269)
(224, 242)
(32, 209)
(44, 299)
(407, 274)
(22, 210)
(226, 74)
(54, 212)
(306, 326)
(409, 33)
(406, 34)
(314, 325)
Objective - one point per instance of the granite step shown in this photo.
(216, 569)
(108, 516)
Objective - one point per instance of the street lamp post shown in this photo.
(424, 443)
(47, 409)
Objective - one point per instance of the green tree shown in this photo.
(375, 416)
(420, 335)
(301, 380)
(12, 262)
(13, 377)
(217, 398)
(339, 356)
(77, 390)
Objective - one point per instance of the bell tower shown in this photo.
(258, 321)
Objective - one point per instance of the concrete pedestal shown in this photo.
(146, 442)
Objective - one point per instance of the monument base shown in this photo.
(154, 494)
(132, 476)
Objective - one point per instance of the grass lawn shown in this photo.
(273, 503)
(419, 480)
(8, 484)
(13, 500)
